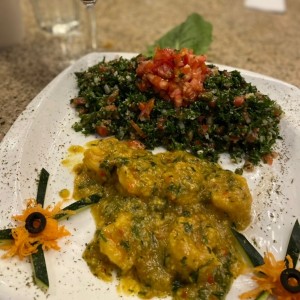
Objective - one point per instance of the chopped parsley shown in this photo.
(230, 116)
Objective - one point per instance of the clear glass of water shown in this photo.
(58, 17)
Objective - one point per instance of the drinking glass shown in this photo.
(61, 20)
(58, 17)
(92, 25)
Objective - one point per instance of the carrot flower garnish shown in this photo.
(39, 230)
(278, 278)
(38, 226)
(269, 279)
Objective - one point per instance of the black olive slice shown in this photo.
(35, 222)
(285, 277)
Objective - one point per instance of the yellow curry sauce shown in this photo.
(164, 221)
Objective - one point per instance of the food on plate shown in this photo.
(176, 76)
(39, 230)
(176, 100)
(164, 221)
(278, 278)
(269, 278)
(38, 227)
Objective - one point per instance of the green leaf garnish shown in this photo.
(263, 296)
(194, 33)
(40, 274)
(42, 187)
(293, 249)
(5, 234)
(78, 205)
(253, 255)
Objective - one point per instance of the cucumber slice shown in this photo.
(293, 249)
(262, 296)
(42, 187)
(5, 234)
(40, 274)
(5, 237)
(251, 255)
(78, 206)
(254, 256)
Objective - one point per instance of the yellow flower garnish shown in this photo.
(267, 277)
(24, 242)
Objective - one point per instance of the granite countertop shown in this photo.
(259, 41)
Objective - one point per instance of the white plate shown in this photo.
(40, 138)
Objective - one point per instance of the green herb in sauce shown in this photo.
(162, 243)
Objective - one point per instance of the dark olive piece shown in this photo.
(285, 277)
(35, 222)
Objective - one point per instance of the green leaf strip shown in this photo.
(254, 256)
(263, 296)
(293, 248)
(42, 187)
(78, 205)
(40, 273)
(5, 234)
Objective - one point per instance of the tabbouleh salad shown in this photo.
(175, 100)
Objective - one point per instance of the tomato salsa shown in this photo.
(177, 76)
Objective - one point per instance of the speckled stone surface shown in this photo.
(263, 42)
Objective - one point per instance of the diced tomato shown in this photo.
(102, 130)
(146, 108)
(268, 158)
(252, 136)
(238, 101)
(204, 128)
(161, 123)
(81, 110)
(165, 71)
(164, 55)
(175, 75)
(142, 85)
(103, 68)
(212, 103)
(210, 279)
(102, 174)
(110, 107)
(78, 101)
(113, 96)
